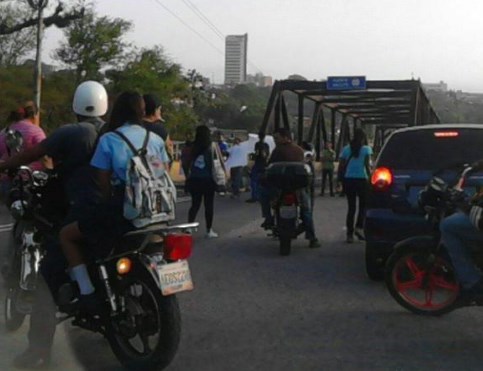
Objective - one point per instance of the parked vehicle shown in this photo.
(139, 313)
(286, 179)
(402, 169)
(419, 274)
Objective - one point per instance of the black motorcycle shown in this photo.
(419, 274)
(286, 179)
(139, 313)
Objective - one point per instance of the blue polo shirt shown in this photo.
(356, 165)
(113, 153)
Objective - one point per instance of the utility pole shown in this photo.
(39, 6)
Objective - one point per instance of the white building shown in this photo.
(439, 86)
(236, 59)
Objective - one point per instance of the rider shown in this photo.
(459, 232)
(287, 151)
(101, 221)
(71, 147)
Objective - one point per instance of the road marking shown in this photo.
(6, 227)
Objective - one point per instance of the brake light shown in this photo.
(446, 134)
(381, 178)
(178, 246)
(289, 199)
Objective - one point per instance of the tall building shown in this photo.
(236, 59)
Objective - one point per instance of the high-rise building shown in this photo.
(236, 59)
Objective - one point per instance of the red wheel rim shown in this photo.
(427, 289)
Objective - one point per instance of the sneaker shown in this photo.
(359, 232)
(349, 238)
(267, 224)
(313, 244)
(211, 234)
(32, 359)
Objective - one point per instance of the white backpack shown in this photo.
(150, 195)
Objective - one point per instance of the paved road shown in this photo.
(314, 310)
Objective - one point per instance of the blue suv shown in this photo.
(402, 169)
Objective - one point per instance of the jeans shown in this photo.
(458, 235)
(236, 179)
(355, 188)
(202, 189)
(266, 194)
(255, 182)
(327, 174)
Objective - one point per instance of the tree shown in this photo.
(149, 70)
(93, 43)
(15, 46)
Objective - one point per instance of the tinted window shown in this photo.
(423, 150)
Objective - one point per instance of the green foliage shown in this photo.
(57, 95)
(93, 43)
(151, 71)
(14, 47)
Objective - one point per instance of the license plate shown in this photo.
(175, 277)
(288, 212)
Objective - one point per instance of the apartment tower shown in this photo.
(236, 59)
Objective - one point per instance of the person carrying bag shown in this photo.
(207, 175)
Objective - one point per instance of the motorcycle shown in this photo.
(419, 274)
(25, 249)
(137, 282)
(286, 179)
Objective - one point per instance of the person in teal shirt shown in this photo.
(356, 159)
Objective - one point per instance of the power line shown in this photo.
(204, 18)
(189, 27)
(211, 25)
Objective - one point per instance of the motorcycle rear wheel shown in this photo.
(148, 314)
(422, 282)
(285, 245)
(13, 318)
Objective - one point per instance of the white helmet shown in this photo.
(90, 99)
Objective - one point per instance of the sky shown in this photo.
(432, 40)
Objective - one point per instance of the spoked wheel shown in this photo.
(422, 282)
(146, 335)
(13, 317)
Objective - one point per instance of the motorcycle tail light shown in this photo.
(178, 246)
(289, 199)
(382, 179)
(123, 266)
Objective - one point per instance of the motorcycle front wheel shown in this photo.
(13, 317)
(146, 336)
(422, 281)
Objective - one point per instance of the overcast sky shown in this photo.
(382, 39)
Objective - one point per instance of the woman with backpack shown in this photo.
(354, 172)
(102, 220)
(201, 184)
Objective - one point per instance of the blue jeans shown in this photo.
(236, 179)
(255, 182)
(458, 235)
(266, 194)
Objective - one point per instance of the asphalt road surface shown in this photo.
(255, 310)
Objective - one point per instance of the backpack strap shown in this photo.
(141, 151)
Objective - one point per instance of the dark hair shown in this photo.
(202, 141)
(152, 103)
(261, 135)
(126, 108)
(30, 109)
(357, 141)
(16, 115)
(284, 133)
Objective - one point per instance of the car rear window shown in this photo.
(430, 149)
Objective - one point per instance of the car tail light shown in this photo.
(381, 178)
(446, 134)
(178, 246)
(289, 199)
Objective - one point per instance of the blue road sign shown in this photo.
(346, 83)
